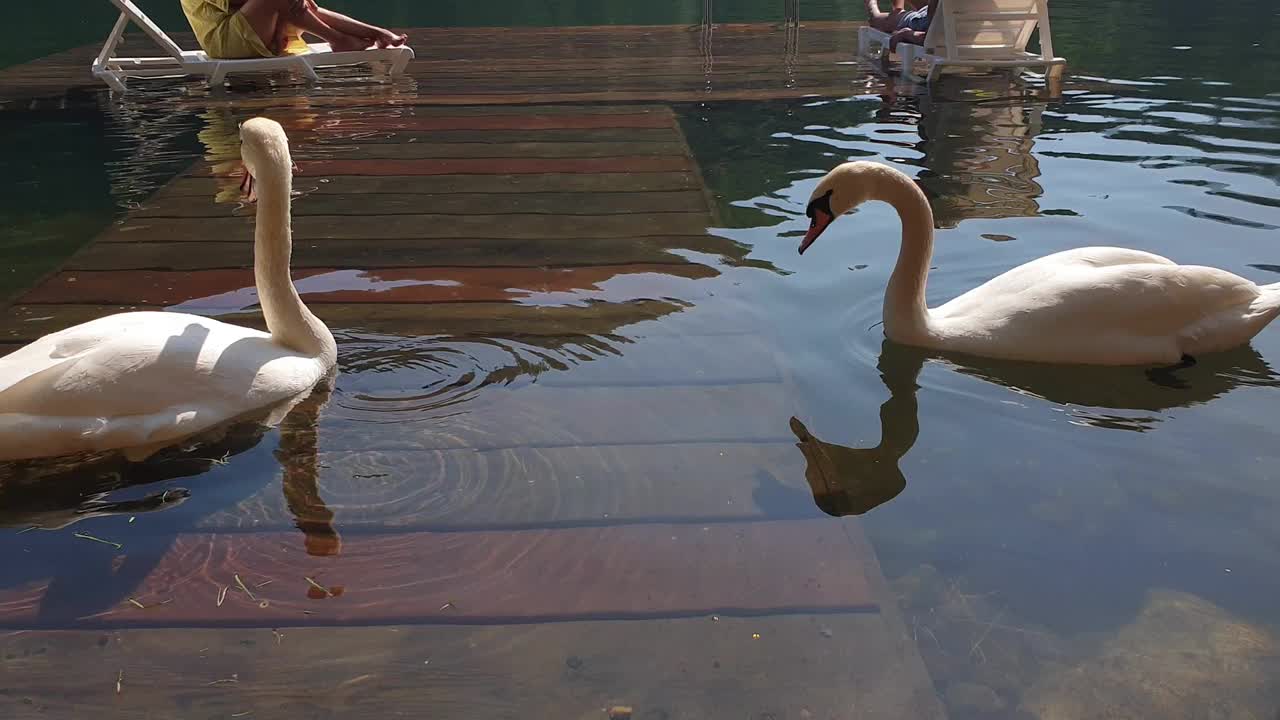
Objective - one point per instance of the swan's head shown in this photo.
(264, 149)
(844, 188)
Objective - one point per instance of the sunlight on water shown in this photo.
(629, 344)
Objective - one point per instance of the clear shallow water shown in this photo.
(1030, 519)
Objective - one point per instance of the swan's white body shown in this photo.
(138, 381)
(1093, 305)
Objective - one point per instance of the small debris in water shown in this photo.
(120, 682)
(755, 636)
(132, 518)
(264, 604)
(244, 588)
(264, 583)
(317, 586)
(448, 605)
(826, 633)
(135, 602)
(858, 267)
(33, 527)
(715, 618)
(235, 678)
(995, 237)
(222, 595)
(620, 712)
(85, 536)
(242, 714)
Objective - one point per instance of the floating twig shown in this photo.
(120, 682)
(264, 583)
(140, 605)
(245, 588)
(222, 595)
(318, 586)
(86, 536)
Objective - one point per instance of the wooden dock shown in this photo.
(556, 475)
(518, 66)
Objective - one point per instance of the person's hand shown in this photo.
(906, 35)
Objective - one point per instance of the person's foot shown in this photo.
(348, 43)
(385, 38)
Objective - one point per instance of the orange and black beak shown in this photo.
(246, 187)
(820, 216)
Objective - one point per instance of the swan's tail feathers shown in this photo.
(1268, 301)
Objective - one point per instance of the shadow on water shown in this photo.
(853, 481)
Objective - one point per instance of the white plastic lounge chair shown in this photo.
(975, 35)
(385, 63)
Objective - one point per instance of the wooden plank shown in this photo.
(414, 252)
(537, 150)
(522, 121)
(637, 136)
(489, 577)
(442, 184)
(486, 166)
(533, 416)
(25, 323)
(234, 289)
(525, 488)
(546, 203)
(679, 668)
(337, 227)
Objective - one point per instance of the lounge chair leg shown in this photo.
(401, 62)
(907, 56)
(935, 71)
(218, 77)
(113, 81)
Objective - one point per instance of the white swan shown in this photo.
(1093, 305)
(138, 381)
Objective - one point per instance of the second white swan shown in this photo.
(137, 381)
(1092, 305)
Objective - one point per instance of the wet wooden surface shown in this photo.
(675, 668)
(612, 572)
(505, 66)
(541, 417)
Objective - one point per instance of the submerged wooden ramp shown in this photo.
(556, 474)
(536, 65)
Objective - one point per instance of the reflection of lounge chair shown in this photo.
(974, 34)
(385, 62)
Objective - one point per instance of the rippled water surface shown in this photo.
(1050, 534)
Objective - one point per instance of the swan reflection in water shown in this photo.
(55, 493)
(853, 481)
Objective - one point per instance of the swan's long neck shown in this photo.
(290, 323)
(905, 315)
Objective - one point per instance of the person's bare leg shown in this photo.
(266, 17)
(882, 21)
(382, 37)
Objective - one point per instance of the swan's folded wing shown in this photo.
(56, 348)
(177, 360)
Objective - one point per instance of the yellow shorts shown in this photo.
(225, 34)
(233, 39)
